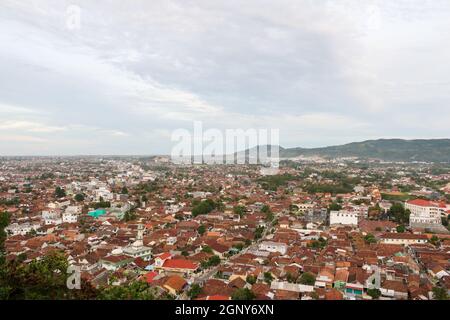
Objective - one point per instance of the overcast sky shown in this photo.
(323, 72)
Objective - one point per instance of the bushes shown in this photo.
(243, 294)
(307, 279)
(203, 207)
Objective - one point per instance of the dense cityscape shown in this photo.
(145, 228)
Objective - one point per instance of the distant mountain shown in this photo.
(434, 150)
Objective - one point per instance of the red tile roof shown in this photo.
(150, 276)
(426, 203)
(180, 264)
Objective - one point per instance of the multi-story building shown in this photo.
(343, 217)
(425, 212)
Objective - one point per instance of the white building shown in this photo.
(343, 217)
(273, 247)
(103, 193)
(51, 217)
(303, 207)
(424, 212)
(403, 238)
(69, 217)
(21, 229)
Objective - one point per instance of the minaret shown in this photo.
(140, 236)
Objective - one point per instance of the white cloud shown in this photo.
(324, 72)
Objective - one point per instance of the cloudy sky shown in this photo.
(122, 75)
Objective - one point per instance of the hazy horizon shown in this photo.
(168, 154)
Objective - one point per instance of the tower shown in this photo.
(140, 236)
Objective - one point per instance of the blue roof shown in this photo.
(97, 213)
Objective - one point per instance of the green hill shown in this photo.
(434, 150)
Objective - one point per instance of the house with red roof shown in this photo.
(179, 266)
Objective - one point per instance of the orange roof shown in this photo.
(150, 276)
(164, 256)
(333, 294)
(176, 283)
(180, 264)
(426, 203)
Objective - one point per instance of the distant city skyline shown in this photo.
(117, 78)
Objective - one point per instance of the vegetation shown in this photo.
(201, 229)
(370, 238)
(240, 210)
(4, 222)
(329, 188)
(273, 182)
(138, 290)
(203, 207)
(207, 249)
(211, 262)
(436, 150)
(10, 202)
(194, 291)
(318, 244)
(334, 207)
(44, 279)
(399, 213)
(435, 241)
(60, 192)
(101, 204)
(130, 215)
(251, 279)
(243, 294)
(307, 278)
(374, 293)
(79, 197)
(440, 293)
(268, 278)
(259, 232)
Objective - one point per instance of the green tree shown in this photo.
(334, 207)
(240, 210)
(440, 293)
(124, 190)
(251, 279)
(259, 232)
(203, 207)
(194, 291)
(201, 229)
(265, 209)
(4, 222)
(44, 279)
(138, 290)
(435, 241)
(370, 238)
(130, 215)
(207, 249)
(401, 229)
(307, 278)
(243, 294)
(214, 261)
(60, 192)
(79, 197)
(268, 278)
(399, 214)
(374, 293)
